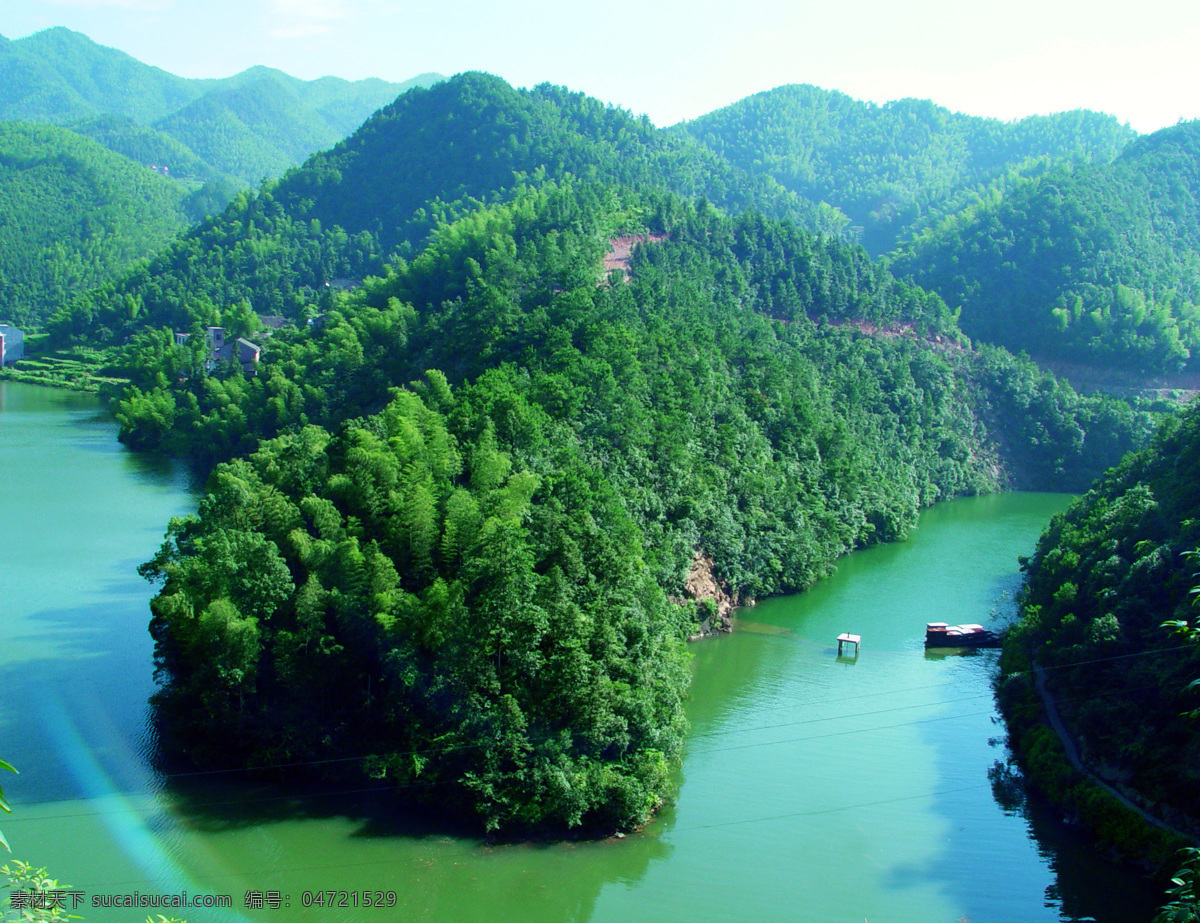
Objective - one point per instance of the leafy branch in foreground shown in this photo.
(31, 895)
(1184, 906)
(3, 803)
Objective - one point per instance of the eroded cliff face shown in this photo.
(713, 596)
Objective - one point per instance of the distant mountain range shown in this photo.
(104, 159)
(1065, 235)
(894, 168)
(247, 127)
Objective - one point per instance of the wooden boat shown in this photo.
(939, 634)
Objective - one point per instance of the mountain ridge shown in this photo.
(891, 166)
(62, 77)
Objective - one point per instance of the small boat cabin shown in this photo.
(939, 634)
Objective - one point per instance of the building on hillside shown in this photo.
(272, 322)
(245, 352)
(12, 344)
(220, 349)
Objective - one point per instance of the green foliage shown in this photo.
(254, 253)
(1104, 578)
(382, 595)
(1184, 893)
(1114, 825)
(78, 368)
(437, 152)
(466, 138)
(254, 124)
(468, 585)
(23, 877)
(255, 130)
(898, 167)
(460, 586)
(145, 145)
(1096, 263)
(4, 764)
(72, 216)
(58, 75)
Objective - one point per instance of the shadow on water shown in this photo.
(1083, 884)
(85, 751)
(438, 869)
(86, 682)
(1077, 868)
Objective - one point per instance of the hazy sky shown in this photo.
(673, 60)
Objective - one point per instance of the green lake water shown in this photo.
(814, 788)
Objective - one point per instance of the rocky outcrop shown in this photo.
(620, 252)
(715, 600)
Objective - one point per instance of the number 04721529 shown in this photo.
(348, 898)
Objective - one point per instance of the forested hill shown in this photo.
(247, 127)
(80, 217)
(57, 75)
(466, 137)
(1104, 578)
(253, 131)
(73, 215)
(426, 157)
(897, 167)
(460, 584)
(1097, 264)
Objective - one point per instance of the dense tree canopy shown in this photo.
(1097, 264)
(474, 576)
(438, 152)
(898, 167)
(1105, 577)
(392, 594)
(73, 215)
(541, 359)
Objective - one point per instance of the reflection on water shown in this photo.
(814, 787)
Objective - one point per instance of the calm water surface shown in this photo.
(814, 788)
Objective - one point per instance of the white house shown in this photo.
(12, 344)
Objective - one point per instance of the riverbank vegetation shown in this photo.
(1104, 579)
(76, 368)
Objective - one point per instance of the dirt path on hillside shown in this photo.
(1052, 715)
